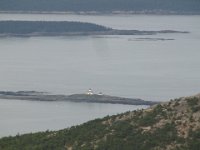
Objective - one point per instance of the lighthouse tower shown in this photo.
(89, 92)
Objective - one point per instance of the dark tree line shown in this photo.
(28, 27)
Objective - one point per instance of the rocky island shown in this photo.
(88, 97)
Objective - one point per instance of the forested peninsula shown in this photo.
(65, 28)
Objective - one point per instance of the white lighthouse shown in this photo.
(89, 92)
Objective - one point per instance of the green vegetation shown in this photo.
(193, 103)
(194, 141)
(156, 6)
(164, 126)
(152, 117)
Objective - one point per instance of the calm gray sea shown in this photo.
(116, 65)
(17, 116)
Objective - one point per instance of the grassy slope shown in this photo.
(173, 125)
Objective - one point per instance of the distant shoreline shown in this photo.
(102, 13)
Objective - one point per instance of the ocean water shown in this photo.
(145, 67)
(18, 117)
(115, 65)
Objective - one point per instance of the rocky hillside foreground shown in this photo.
(174, 125)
